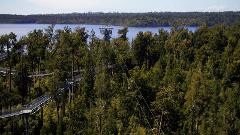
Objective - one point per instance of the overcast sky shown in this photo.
(70, 6)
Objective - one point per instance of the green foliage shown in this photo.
(123, 33)
(175, 82)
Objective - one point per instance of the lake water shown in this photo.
(23, 29)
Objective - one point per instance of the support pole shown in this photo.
(26, 124)
(72, 76)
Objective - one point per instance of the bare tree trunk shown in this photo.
(160, 125)
(100, 124)
(58, 113)
(72, 74)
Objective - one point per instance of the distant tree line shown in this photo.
(129, 19)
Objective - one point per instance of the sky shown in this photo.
(26, 7)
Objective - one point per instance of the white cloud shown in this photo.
(215, 8)
(65, 4)
(69, 6)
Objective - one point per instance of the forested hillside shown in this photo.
(166, 83)
(152, 19)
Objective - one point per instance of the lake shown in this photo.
(23, 29)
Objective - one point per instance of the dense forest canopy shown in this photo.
(129, 19)
(175, 82)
